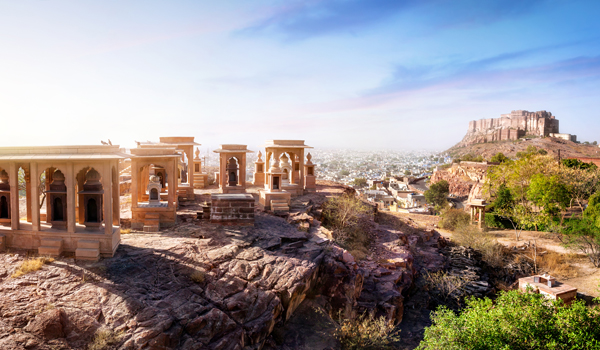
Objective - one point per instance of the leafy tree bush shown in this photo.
(577, 164)
(469, 157)
(437, 194)
(515, 320)
(584, 234)
(494, 220)
(360, 181)
(499, 158)
(549, 193)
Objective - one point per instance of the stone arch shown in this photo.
(93, 192)
(233, 171)
(4, 197)
(57, 211)
(91, 211)
(4, 210)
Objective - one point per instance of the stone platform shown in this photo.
(232, 209)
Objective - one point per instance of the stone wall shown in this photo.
(232, 209)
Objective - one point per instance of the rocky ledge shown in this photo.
(202, 286)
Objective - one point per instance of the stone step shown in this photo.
(88, 244)
(87, 254)
(151, 228)
(51, 242)
(2, 242)
(152, 222)
(279, 205)
(49, 250)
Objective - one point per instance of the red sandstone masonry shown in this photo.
(232, 209)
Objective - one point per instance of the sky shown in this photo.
(355, 74)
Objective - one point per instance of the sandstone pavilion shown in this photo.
(61, 198)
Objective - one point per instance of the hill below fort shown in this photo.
(510, 148)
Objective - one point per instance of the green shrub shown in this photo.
(495, 221)
(515, 320)
(454, 218)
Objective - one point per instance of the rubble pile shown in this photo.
(465, 263)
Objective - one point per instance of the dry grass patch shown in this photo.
(197, 276)
(557, 264)
(493, 253)
(125, 231)
(366, 332)
(103, 339)
(446, 285)
(31, 265)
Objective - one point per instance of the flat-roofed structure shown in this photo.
(232, 168)
(186, 145)
(549, 287)
(291, 157)
(154, 187)
(79, 188)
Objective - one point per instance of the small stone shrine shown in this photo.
(154, 171)
(259, 171)
(290, 155)
(549, 287)
(310, 180)
(273, 197)
(232, 168)
(200, 178)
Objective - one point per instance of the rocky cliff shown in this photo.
(466, 179)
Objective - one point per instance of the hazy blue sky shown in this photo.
(354, 74)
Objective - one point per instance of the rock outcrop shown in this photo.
(466, 179)
(224, 291)
(202, 286)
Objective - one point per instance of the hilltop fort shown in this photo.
(513, 126)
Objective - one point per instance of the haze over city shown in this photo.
(338, 74)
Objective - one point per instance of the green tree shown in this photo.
(360, 182)
(499, 158)
(577, 164)
(344, 173)
(584, 234)
(515, 176)
(549, 193)
(515, 320)
(437, 194)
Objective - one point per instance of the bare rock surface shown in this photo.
(204, 286)
(225, 290)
